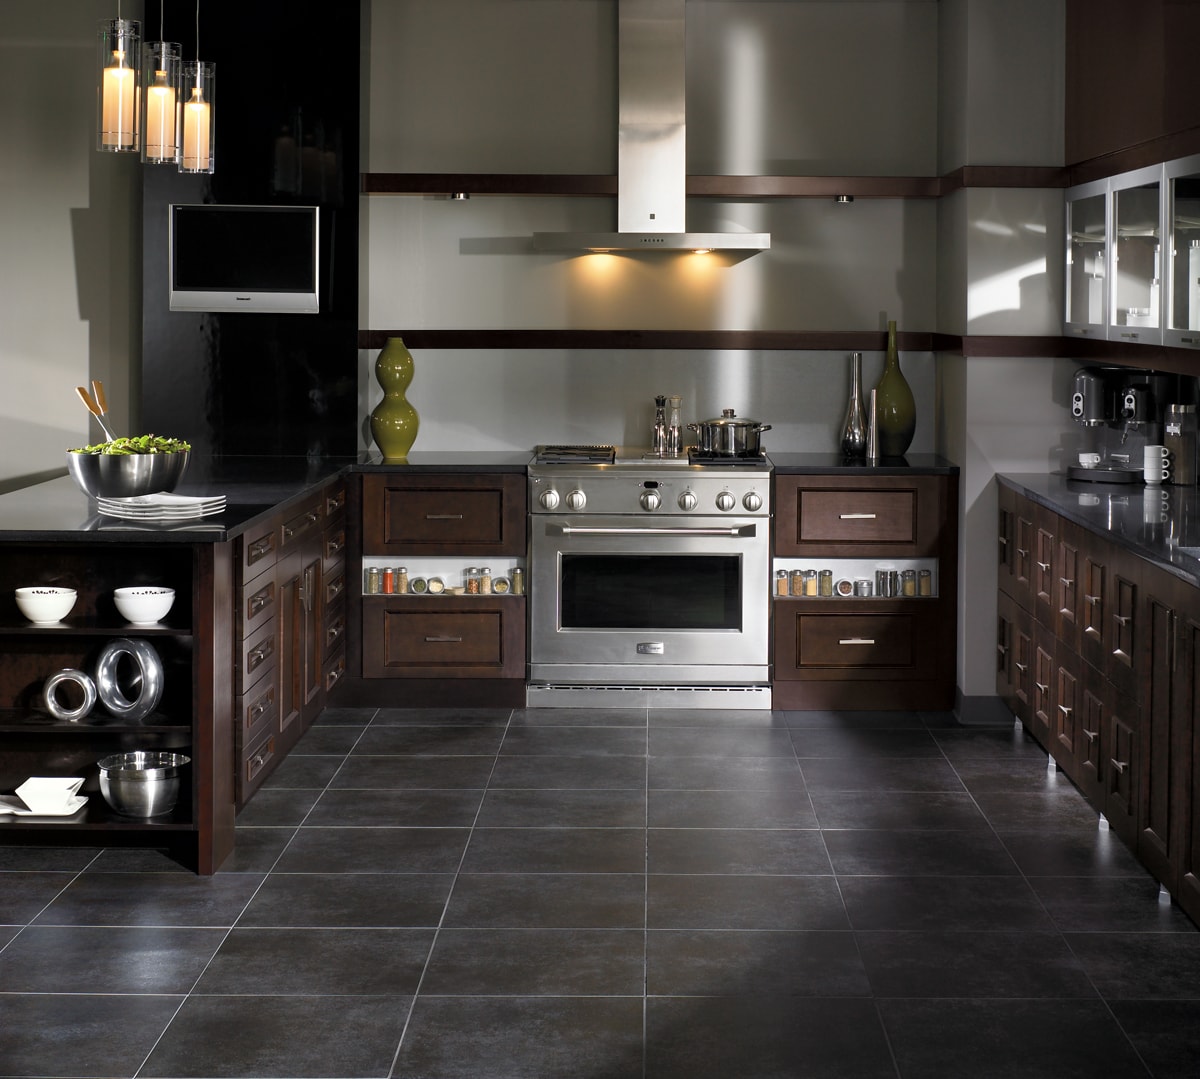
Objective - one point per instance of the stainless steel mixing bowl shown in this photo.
(142, 783)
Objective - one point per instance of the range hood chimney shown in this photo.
(651, 144)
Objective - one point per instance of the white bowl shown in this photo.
(45, 604)
(143, 605)
(50, 795)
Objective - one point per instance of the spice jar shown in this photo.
(781, 582)
(810, 582)
(797, 580)
(371, 581)
(401, 583)
(417, 585)
(388, 582)
(908, 582)
(500, 586)
(518, 581)
(471, 580)
(435, 584)
(825, 582)
(485, 580)
(924, 582)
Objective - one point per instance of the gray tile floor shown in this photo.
(666, 895)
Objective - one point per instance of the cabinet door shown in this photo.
(1067, 694)
(1124, 626)
(1135, 258)
(1187, 704)
(1045, 560)
(1042, 710)
(1023, 562)
(1087, 260)
(1067, 584)
(1006, 538)
(1095, 630)
(1122, 765)
(1090, 756)
(1014, 658)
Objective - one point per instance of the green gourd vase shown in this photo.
(394, 421)
(895, 409)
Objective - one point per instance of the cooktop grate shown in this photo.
(549, 455)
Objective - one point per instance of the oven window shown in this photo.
(651, 592)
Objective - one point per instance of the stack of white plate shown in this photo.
(161, 507)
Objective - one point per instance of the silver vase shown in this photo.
(854, 428)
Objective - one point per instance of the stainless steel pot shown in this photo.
(729, 436)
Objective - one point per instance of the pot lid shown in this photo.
(729, 418)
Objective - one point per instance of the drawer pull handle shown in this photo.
(1064, 709)
(257, 550)
(335, 589)
(1042, 687)
(1044, 567)
(333, 633)
(259, 654)
(1022, 667)
(857, 640)
(335, 545)
(1091, 736)
(260, 600)
(332, 505)
(1121, 619)
(1093, 600)
(1002, 650)
(1068, 581)
(1003, 540)
(443, 640)
(1023, 552)
(443, 516)
(1119, 766)
(856, 516)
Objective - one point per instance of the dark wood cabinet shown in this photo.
(1116, 659)
(894, 652)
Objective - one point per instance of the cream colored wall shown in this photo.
(70, 244)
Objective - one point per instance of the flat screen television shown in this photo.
(257, 259)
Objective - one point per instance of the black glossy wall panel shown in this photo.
(287, 131)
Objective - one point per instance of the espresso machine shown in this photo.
(1121, 412)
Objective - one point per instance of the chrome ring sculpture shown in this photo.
(80, 679)
(148, 680)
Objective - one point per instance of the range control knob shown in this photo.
(725, 501)
(687, 500)
(576, 500)
(650, 500)
(549, 499)
(752, 501)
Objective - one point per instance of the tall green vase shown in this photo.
(895, 409)
(394, 421)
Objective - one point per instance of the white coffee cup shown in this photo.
(1155, 465)
(1089, 460)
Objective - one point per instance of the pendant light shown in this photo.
(117, 86)
(199, 89)
(160, 99)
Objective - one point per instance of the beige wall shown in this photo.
(70, 240)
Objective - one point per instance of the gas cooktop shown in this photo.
(640, 457)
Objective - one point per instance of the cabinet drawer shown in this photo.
(259, 550)
(333, 547)
(257, 655)
(301, 521)
(257, 763)
(863, 640)
(455, 637)
(334, 632)
(857, 516)
(334, 670)
(257, 605)
(258, 711)
(333, 583)
(335, 503)
(478, 515)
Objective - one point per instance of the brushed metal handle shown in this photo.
(333, 633)
(260, 600)
(1003, 539)
(1120, 766)
(443, 516)
(1091, 599)
(857, 640)
(1042, 687)
(1068, 581)
(1023, 552)
(335, 545)
(1065, 710)
(332, 505)
(1002, 649)
(1044, 567)
(259, 548)
(1122, 619)
(1091, 736)
(443, 640)
(1131, 336)
(335, 589)
(856, 516)
(1022, 667)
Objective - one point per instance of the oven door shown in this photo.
(623, 599)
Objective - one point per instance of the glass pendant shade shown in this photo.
(117, 86)
(199, 88)
(161, 72)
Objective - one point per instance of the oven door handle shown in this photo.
(584, 530)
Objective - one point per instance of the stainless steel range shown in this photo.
(649, 579)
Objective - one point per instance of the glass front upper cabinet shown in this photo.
(1087, 260)
(1182, 327)
(1135, 257)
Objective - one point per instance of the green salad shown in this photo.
(137, 444)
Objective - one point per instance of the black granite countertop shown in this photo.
(449, 461)
(813, 463)
(1159, 524)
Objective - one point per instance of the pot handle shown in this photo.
(764, 427)
(693, 427)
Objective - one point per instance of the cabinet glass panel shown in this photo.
(1183, 218)
(1136, 258)
(1087, 233)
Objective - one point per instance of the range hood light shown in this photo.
(844, 200)
(651, 144)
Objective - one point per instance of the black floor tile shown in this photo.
(879, 774)
(350, 901)
(450, 717)
(1023, 773)
(519, 1038)
(728, 773)
(345, 717)
(304, 772)
(973, 963)
(374, 850)
(395, 809)
(436, 741)
(942, 903)
(1165, 1032)
(47, 859)
(787, 808)
(949, 811)
(570, 773)
(548, 901)
(1109, 905)
(574, 742)
(861, 720)
(257, 849)
(1000, 1039)
(536, 962)
(563, 809)
(413, 773)
(142, 959)
(719, 742)
(318, 962)
(785, 851)
(764, 963)
(163, 899)
(272, 1037)
(1148, 966)
(556, 850)
(888, 852)
(765, 1037)
(741, 719)
(579, 717)
(324, 740)
(79, 1034)
(715, 901)
(1050, 811)
(1090, 852)
(24, 894)
(863, 742)
(136, 860)
(989, 743)
(278, 808)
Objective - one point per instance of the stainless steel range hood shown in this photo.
(651, 144)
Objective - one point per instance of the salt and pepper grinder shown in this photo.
(854, 427)
(674, 432)
(659, 444)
